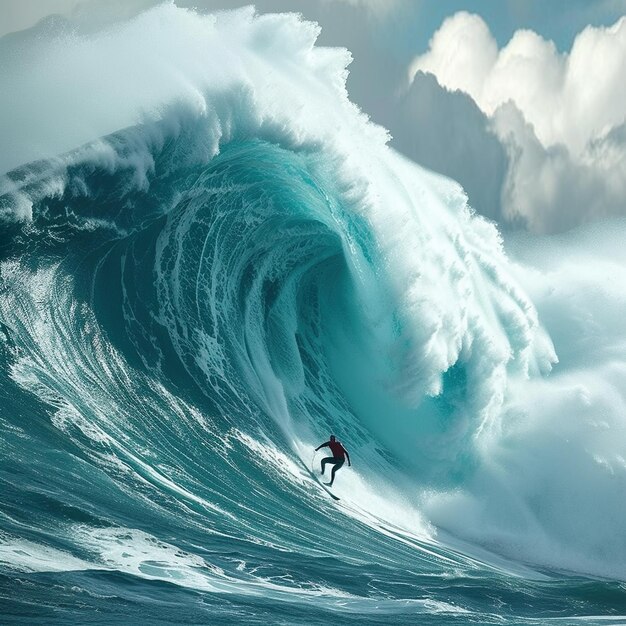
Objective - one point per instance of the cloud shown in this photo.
(568, 98)
(559, 116)
(551, 189)
(375, 7)
(446, 132)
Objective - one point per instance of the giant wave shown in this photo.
(218, 262)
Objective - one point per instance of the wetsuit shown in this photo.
(337, 460)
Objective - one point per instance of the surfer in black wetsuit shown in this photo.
(337, 459)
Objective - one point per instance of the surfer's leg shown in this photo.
(325, 460)
(337, 464)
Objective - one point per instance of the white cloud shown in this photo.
(461, 54)
(551, 189)
(568, 98)
(557, 115)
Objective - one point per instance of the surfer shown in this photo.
(337, 459)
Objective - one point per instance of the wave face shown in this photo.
(192, 303)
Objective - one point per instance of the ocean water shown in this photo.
(213, 260)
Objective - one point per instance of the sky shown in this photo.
(558, 20)
(521, 101)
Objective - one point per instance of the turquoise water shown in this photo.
(190, 305)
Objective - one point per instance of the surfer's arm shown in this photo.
(322, 445)
(348, 457)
